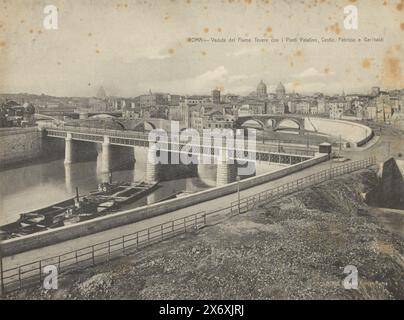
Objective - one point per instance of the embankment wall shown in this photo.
(19, 144)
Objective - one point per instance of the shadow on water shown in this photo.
(37, 185)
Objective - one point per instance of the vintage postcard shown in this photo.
(198, 150)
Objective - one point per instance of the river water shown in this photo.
(34, 186)
(38, 185)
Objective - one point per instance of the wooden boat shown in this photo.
(89, 210)
(109, 197)
(124, 193)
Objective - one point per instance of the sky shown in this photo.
(130, 47)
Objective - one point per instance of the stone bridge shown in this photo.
(76, 114)
(109, 122)
(273, 122)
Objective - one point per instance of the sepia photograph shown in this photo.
(201, 154)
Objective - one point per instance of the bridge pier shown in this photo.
(68, 178)
(106, 156)
(83, 115)
(68, 149)
(226, 171)
(152, 167)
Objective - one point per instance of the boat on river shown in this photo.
(108, 198)
(124, 193)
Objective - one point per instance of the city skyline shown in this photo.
(271, 90)
(132, 47)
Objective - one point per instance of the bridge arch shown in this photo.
(145, 125)
(120, 124)
(252, 123)
(102, 116)
(288, 123)
(39, 116)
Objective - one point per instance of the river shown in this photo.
(33, 186)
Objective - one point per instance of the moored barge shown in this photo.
(108, 198)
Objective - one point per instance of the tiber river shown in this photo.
(34, 186)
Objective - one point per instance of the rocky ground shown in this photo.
(294, 248)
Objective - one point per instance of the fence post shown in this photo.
(162, 232)
(123, 243)
(19, 275)
(40, 271)
(204, 219)
(92, 254)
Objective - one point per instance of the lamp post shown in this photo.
(238, 192)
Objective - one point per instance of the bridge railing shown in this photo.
(281, 149)
(32, 273)
(98, 131)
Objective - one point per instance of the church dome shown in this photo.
(280, 87)
(280, 90)
(261, 85)
(101, 93)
